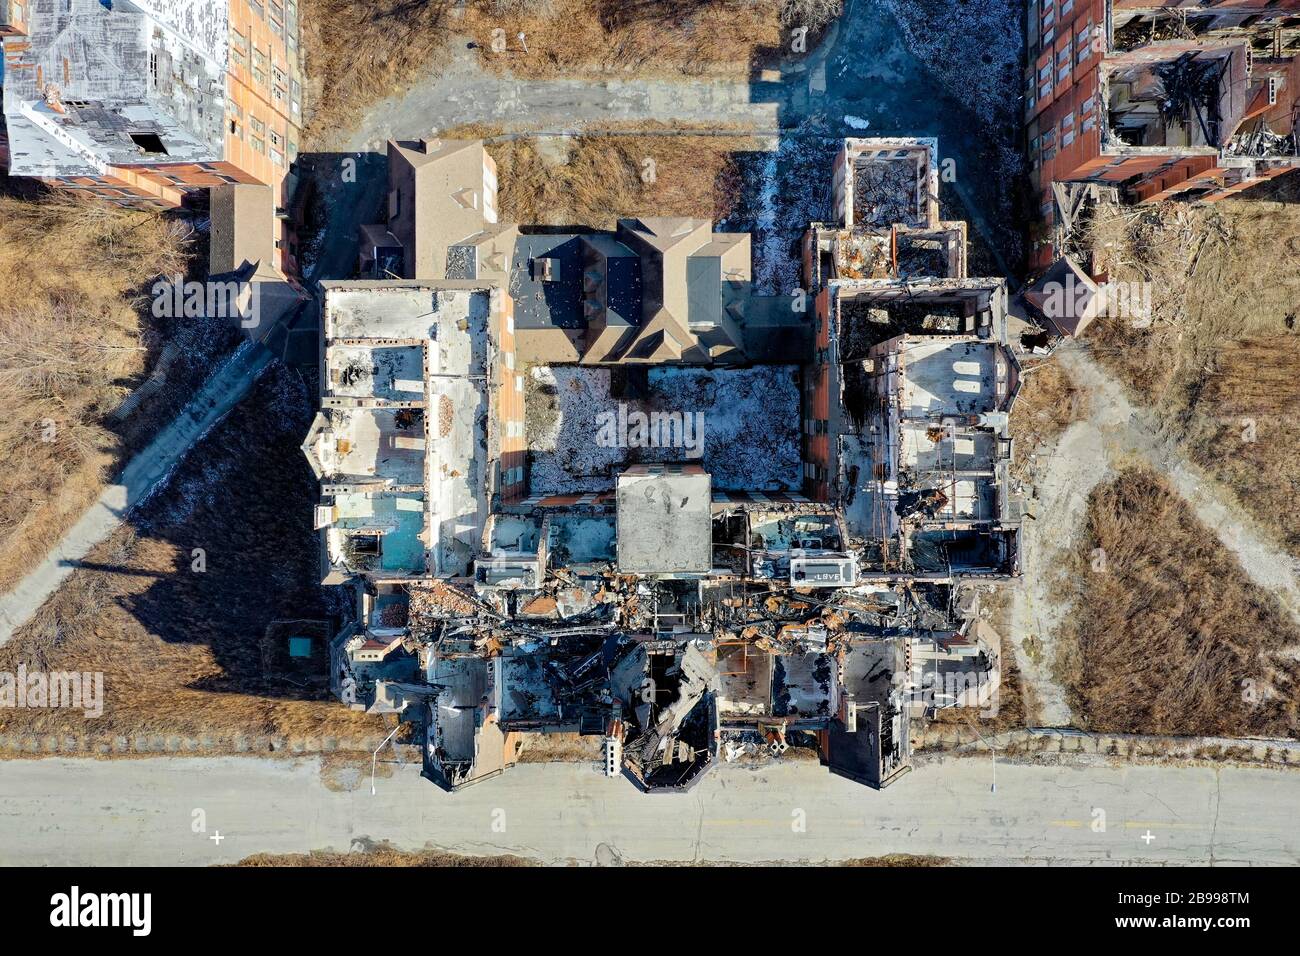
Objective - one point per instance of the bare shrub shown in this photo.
(357, 52)
(605, 177)
(1220, 357)
(813, 14)
(1048, 402)
(665, 37)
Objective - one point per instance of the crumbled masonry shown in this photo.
(623, 590)
(1181, 100)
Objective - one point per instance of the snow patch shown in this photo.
(750, 419)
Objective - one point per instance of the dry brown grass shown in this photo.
(646, 37)
(1220, 361)
(559, 748)
(594, 179)
(1048, 402)
(1217, 274)
(73, 342)
(1245, 432)
(182, 651)
(1016, 705)
(897, 860)
(1012, 704)
(1169, 636)
(888, 860)
(382, 855)
(348, 771)
(357, 52)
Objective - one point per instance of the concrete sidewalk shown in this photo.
(223, 390)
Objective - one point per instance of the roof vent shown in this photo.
(547, 269)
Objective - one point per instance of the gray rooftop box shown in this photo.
(664, 520)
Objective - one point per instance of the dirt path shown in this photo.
(465, 92)
(1080, 461)
(1265, 563)
(143, 474)
(1091, 450)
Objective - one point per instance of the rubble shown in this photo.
(685, 609)
(1172, 104)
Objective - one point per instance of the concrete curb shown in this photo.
(207, 745)
(1035, 741)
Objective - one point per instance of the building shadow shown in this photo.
(339, 193)
(859, 79)
(227, 550)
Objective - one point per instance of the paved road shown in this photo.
(223, 390)
(139, 812)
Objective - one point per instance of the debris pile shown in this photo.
(1189, 92)
(885, 192)
(1261, 141)
(748, 598)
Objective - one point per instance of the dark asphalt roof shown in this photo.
(703, 290)
(541, 305)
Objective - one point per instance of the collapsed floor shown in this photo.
(669, 559)
(673, 676)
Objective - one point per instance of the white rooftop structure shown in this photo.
(401, 441)
(98, 84)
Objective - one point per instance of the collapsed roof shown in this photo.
(402, 441)
(99, 84)
(631, 599)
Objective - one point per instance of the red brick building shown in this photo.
(1159, 99)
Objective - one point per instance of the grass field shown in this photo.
(198, 649)
(358, 52)
(595, 179)
(1048, 402)
(1219, 361)
(76, 335)
(1165, 634)
(646, 37)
